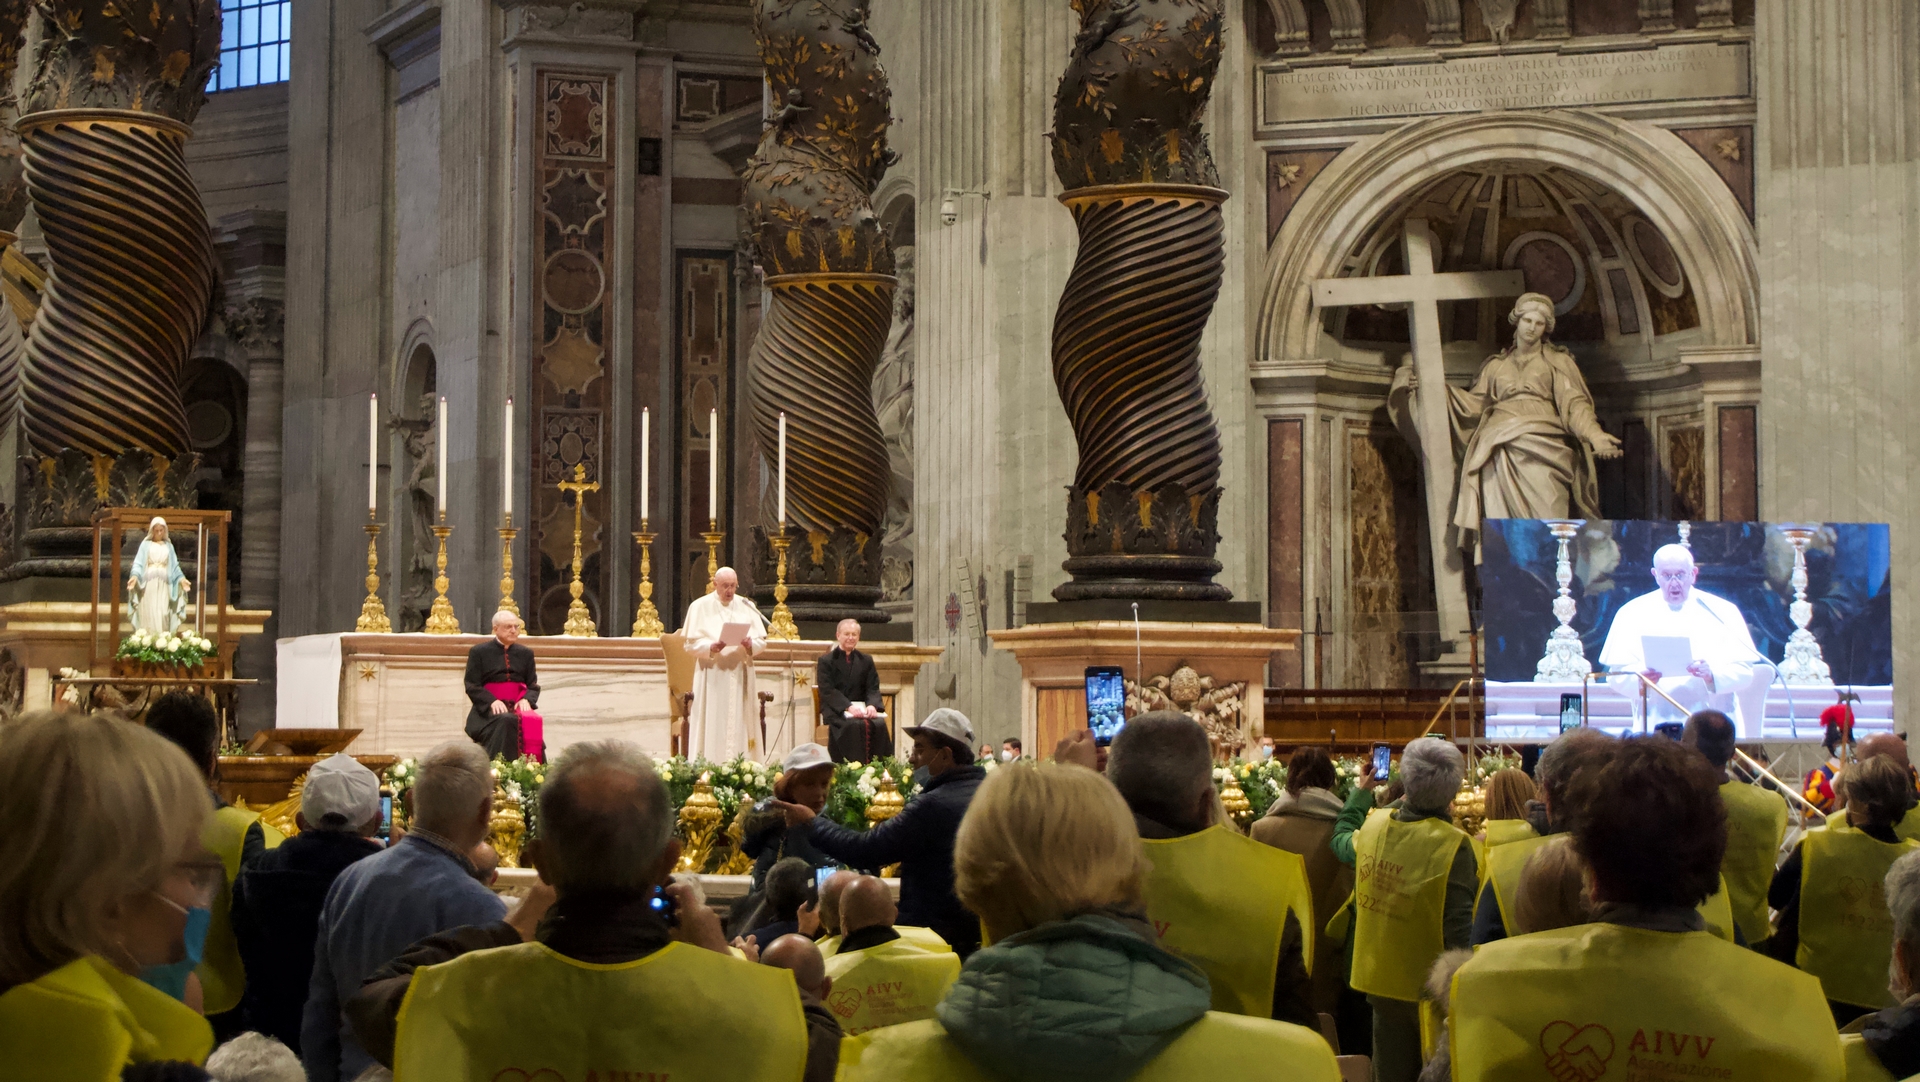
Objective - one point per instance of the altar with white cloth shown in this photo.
(404, 692)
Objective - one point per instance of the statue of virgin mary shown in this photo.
(157, 588)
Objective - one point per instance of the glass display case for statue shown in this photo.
(159, 615)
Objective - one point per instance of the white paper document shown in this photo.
(1668, 655)
(735, 634)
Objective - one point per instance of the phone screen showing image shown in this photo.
(820, 877)
(386, 818)
(1382, 761)
(1106, 702)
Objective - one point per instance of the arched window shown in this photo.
(255, 38)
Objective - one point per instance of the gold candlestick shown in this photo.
(782, 625)
(713, 537)
(507, 534)
(441, 620)
(373, 614)
(646, 618)
(579, 620)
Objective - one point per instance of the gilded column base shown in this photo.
(830, 576)
(1132, 544)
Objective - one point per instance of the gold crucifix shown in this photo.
(579, 622)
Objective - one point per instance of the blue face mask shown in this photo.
(172, 977)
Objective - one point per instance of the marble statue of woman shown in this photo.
(1527, 426)
(157, 588)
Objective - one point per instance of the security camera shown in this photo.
(948, 212)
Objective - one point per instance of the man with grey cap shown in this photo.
(920, 838)
(278, 894)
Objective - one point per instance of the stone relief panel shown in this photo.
(703, 339)
(571, 282)
(1388, 573)
(893, 402)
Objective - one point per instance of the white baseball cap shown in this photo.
(806, 757)
(340, 794)
(948, 723)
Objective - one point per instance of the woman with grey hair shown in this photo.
(1415, 876)
(1828, 926)
(1886, 1045)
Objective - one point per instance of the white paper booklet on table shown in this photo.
(1668, 655)
(732, 634)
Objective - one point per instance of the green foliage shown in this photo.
(175, 648)
(854, 785)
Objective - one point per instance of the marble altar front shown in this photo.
(405, 693)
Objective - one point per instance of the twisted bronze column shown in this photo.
(829, 266)
(111, 91)
(1145, 197)
(132, 274)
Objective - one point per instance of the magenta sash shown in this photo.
(533, 735)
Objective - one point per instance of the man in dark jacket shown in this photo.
(278, 894)
(504, 690)
(850, 700)
(920, 838)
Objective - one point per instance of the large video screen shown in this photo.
(1720, 608)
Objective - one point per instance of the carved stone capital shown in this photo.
(255, 324)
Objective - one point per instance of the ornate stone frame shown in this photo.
(1676, 189)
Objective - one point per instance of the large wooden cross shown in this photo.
(1422, 290)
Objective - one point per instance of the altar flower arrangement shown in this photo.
(854, 786)
(181, 647)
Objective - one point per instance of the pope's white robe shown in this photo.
(1719, 637)
(725, 717)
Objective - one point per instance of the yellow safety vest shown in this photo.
(1502, 831)
(86, 1020)
(1846, 933)
(1862, 1065)
(889, 984)
(1756, 821)
(1908, 828)
(1220, 900)
(1506, 864)
(1399, 901)
(1216, 1047)
(525, 1012)
(924, 938)
(222, 977)
(1607, 1003)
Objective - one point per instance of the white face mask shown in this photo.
(1006, 756)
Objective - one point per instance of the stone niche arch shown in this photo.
(1676, 189)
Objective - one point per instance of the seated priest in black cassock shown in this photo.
(504, 690)
(850, 700)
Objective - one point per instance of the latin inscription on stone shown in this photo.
(1482, 84)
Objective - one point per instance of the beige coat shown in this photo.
(1303, 824)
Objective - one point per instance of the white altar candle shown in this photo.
(506, 463)
(713, 464)
(440, 471)
(373, 451)
(646, 450)
(783, 472)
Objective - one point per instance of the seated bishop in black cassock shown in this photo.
(500, 670)
(846, 678)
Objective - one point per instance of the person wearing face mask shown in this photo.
(1010, 749)
(189, 721)
(105, 878)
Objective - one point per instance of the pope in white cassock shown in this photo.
(725, 706)
(1720, 645)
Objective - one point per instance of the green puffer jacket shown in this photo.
(1082, 999)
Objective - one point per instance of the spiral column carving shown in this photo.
(109, 90)
(133, 271)
(1128, 144)
(829, 265)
